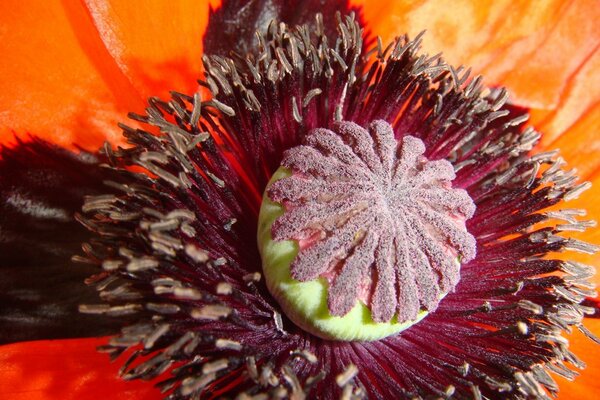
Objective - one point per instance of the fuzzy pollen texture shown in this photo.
(375, 218)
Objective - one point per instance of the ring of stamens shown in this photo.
(513, 300)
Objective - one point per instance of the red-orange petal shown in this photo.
(580, 101)
(531, 47)
(580, 143)
(158, 46)
(65, 370)
(71, 70)
(538, 68)
(58, 79)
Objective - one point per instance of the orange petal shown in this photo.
(580, 100)
(580, 144)
(58, 80)
(65, 370)
(538, 68)
(158, 46)
(71, 70)
(531, 47)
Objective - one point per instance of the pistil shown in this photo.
(373, 232)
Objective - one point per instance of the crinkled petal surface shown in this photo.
(548, 40)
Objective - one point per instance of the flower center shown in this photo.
(373, 222)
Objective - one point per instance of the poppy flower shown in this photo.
(168, 222)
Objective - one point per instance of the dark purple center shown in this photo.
(375, 218)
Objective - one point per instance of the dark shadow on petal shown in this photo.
(41, 187)
(232, 27)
